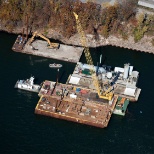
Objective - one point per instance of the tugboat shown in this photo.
(121, 106)
(28, 85)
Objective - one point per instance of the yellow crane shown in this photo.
(51, 45)
(108, 94)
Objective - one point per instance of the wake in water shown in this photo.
(130, 116)
(36, 61)
(31, 62)
(42, 60)
(22, 93)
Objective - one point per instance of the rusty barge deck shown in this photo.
(77, 105)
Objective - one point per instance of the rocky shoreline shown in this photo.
(144, 45)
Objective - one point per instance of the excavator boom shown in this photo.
(51, 45)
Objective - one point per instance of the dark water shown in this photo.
(23, 132)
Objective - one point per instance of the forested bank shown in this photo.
(120, 20)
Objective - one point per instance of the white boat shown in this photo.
(28, 85)
(55, 65)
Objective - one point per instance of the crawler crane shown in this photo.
(108, 94)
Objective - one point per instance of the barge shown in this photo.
(40, 48)
(124, 79)
(75, 104)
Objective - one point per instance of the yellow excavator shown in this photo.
(105, 94)
(50, 45)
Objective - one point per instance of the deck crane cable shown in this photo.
(102, 94)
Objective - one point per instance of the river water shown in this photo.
(23, 132)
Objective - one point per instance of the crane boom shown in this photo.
(83, 41)
(105, 95)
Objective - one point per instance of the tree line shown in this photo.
(119, 19)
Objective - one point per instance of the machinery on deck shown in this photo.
(51, 45)
(108, 94)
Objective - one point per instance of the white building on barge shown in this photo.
(124, 79)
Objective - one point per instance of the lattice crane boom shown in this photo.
(105, 95)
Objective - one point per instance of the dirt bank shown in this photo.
(144, 45)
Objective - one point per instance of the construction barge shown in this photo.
(75, 104)
(124, 79)
(47, 49)
(78, 99)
